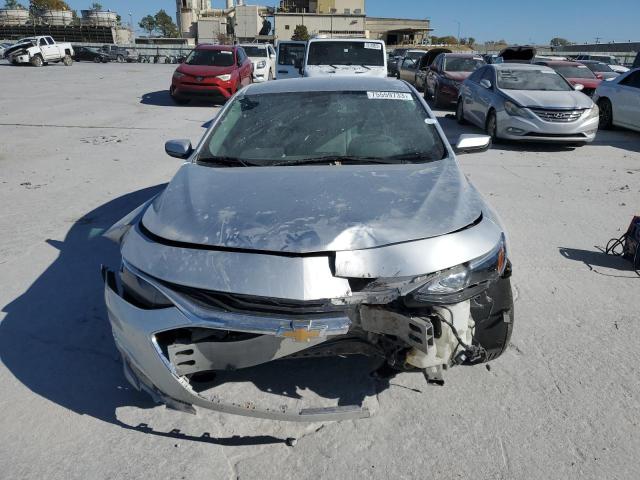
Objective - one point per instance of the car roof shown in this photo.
(559, 63)
(323, 84)
(207, 46)
(362, 40)
(521, 66)
(258, 45)
(462, 55)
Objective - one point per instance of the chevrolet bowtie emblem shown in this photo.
(302, 332)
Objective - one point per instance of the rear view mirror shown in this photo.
(579, 87)
(472, 143)
(485, 83)
(179, 148)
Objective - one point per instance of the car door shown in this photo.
(272, 59)
(408, 70)
(44, 48)
(469, 93)
(484, 97)
(432, 74)
(290, 58)
(421, 73)
(244, 66)
(626, 109)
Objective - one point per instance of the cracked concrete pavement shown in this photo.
(81, 146)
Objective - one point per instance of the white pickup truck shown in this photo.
(39, 51)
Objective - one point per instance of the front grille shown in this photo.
(238, 303)
(558, 116)
(557, 135)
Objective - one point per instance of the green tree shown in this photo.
(559, 42)
(13, 5)
(471, 41)
(38, 7)
(165, 25)
(148, 24)
(96, 6)
(301, 33)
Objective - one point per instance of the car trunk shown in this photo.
(518, 54)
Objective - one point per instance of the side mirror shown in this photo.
(472, 143)
(579, 87)
(179, 148)
(485, 84)
(272, 55)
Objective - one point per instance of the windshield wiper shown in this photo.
(335, 159)
(227, 162)
(364, 66)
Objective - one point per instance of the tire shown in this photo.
(37, 61)
(606, 113)
(178, 100)
(96, 60)
(460, 112)
(491, 126)
(270, 76)
(67, 60)
(105, 60)
(120, 59)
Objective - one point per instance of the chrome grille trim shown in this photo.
(558, 116)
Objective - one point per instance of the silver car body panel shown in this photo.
(478, 101)
(318, 208)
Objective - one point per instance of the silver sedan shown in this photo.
(316, 218)
(527, 102)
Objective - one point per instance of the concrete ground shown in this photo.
(82, 146)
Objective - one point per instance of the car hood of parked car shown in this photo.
(546, 99)
(204, 70)
(305, 209)
(341, 70)
(587, 82)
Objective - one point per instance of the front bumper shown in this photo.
(535, 129)
(193, 88)
(260, 75)
(449, 92)
(147, 367)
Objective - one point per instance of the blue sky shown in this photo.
(516, 21)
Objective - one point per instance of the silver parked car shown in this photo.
(317, 217)
(619, 101)
(527, 102)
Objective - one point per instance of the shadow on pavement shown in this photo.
(57, 341)
(161, 98)
(598, 259)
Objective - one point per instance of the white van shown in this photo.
(345, 56)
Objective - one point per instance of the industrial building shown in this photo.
(201, 23)
(93, 26)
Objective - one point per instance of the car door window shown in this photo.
(487, 74)
(476, 76)
(50, 41)
(43, 42)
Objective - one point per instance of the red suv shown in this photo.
(575, 73)
(214, 71)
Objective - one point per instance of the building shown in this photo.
(319, 24)
(398, 31)
(340, 7)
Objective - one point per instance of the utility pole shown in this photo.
(598, 40)
(459, 26)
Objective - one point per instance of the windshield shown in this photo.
(253, 51)
(323, 127)
(25, 40)
(415, 55)
(211, 58)
(574, 71)
(546, 80)
(599, 67)
(346, 53)
(462, 64)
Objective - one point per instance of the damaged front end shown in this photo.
(179, 312)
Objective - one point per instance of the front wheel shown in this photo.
(120, 59)
(492, 126)
(96, 59)
(270, 75)
(37, 61)
(67, 60)
(437, 98)
(606, 113)
(460, 112)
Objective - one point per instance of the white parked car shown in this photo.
(263, 57)
(610, 60)
(39, 51)
(619, 101)
(327, 57)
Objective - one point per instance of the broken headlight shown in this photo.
(465, 281)
(141, 293)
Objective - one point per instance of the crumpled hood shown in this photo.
(341, 70)
(457, 76)
(18, 46)
(313, 208)
(542, 99)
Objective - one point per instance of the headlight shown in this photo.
(178, 75)
(224, 78)
(140, 292)
(464, 281)
(594, 112)
(515, 111)
(261, 64)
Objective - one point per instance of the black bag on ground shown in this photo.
(628, 245)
